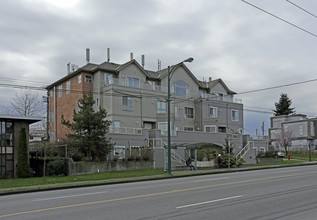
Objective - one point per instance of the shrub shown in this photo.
(57, 168)
(23, 169)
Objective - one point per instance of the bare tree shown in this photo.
(26, 103)
(284, 139)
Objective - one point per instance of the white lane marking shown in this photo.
(63, 197)
(201, 203)
(221, 178)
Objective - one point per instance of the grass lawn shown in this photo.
(303, 156)
(285, 162)
(21, 182)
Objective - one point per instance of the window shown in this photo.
(67, 87)
(60, 91)
(213, 112)
(301, 130)
(108, 79)
(79, 106)
(234, 115)
(176, 113)
(189, 112)
(88, 78)
(161, 107)
(220, 95)
(79, 78)
(210, 128)
(188, 129)
(133, 82)
(97, 102)
(51, 92)
(127, 103)
(181, 89)
(202, 94)
(51, 115)
(163, 127)
(116, 126)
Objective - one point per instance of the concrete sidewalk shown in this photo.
(175, 174)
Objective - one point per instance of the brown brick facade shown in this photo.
(66, 104)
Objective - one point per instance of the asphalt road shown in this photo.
(283, 193)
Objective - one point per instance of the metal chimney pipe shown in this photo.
(143, 61)
(131, 56)
(68, 68)
(108, 54)
(87, 55)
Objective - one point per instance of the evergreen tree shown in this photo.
(283, 106)
(89, 130)
(23, 169)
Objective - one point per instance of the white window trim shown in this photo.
(188, 127)
(89, 76)
(68, 87)
(210, 126)
(157, 109)
(193, 112)
(127, 107)
(60, 91)
(126, 81)
(79, 78)
(235, 119)
(216, 110)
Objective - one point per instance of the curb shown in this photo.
(20, 190)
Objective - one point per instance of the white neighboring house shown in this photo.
(299, 129)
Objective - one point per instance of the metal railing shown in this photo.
(249, 145)
(153, 87)
(124, 130)
(145, 86)
(220, 98)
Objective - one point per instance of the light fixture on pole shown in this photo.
(169, 70)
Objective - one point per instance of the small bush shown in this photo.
(57, 168)
(131, 157)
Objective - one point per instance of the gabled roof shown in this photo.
(213, 83)
(121, 67)
(163, 73)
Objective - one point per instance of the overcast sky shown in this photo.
(229, 39)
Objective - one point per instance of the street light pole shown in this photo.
(169, 70)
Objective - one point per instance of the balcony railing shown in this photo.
(152, 87)
(220, 98)
(145, 86)
(124, 130)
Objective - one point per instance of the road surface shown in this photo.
(283, 193)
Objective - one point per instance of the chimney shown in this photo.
(108, 54)
(68, 68)
(143, 59)
(210, 79)
(131, 56)
(87, 55)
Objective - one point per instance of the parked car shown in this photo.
(281, 154)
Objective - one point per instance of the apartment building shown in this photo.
(202, 112)
(298, 128)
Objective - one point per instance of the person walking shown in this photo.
(219, 160)
(189, 164)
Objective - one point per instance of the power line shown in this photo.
(302, 8)
(275, 16)
(276, 87)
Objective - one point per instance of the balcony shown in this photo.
(124, 130)
(152, 87)
(219, 98)
(146, 86)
